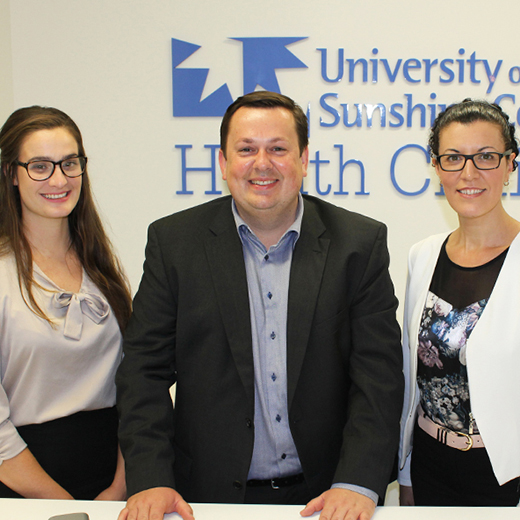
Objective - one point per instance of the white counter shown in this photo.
(12, 509)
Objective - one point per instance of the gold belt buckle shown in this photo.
(469, 441)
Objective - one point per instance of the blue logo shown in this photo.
(260, 56)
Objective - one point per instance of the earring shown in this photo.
(506, 183)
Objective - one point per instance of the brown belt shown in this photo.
(460, 441)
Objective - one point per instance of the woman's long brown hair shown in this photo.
(88, 237)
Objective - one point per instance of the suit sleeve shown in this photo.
(371, 434)
(146, 374)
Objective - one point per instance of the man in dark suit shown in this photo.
(274, 314)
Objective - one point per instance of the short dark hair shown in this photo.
(266, 99)
(471, 110)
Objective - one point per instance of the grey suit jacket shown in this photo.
(191, 325)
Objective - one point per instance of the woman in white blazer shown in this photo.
(460, 429)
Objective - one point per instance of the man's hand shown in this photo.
(154, 503)
(406, 496)
(341, 504)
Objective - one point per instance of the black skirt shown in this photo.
(445, 476)
(79, 451)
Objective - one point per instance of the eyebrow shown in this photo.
(454, 150)
(47, 158)
(249, 140)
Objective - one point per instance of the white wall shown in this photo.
(6, 73)
(108, 64)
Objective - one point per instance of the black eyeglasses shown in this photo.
(455, 162)
(39, 170)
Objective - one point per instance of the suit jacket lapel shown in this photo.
(225, 257)
(308, 263)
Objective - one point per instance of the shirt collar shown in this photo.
(295, 227)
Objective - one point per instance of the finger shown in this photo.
(345, 505)
(141, 512)
(154, 513)
(365, 516)
(316, 504)
(330, 513)
(185, 510)
(133, 513)
(123, 515)
(343, 512)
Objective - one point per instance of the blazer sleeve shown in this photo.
(146, 374)
(422, 259)
(405, 440)
(371, 434)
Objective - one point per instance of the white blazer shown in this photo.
(493, 360)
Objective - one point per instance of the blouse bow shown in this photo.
(80, 304)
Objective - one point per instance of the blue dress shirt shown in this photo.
(268, 273)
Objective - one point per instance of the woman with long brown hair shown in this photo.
(64, 302)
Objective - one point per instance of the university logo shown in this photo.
(260, 58)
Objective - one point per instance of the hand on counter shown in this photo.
(154, 503)
(341, 504)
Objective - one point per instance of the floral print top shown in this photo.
(456, 300)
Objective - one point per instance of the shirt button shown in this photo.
(269, 295)
(237, 484)
(284, 456)
(266, 257)
(273, 377)
(249, 423)
(273, 335)
(278, 418)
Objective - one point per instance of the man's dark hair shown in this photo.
(265, 99)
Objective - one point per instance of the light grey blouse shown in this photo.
(45, 372)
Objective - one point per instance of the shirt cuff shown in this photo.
(358, 489)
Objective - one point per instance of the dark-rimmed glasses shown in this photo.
(41, 170)
(455, 162)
